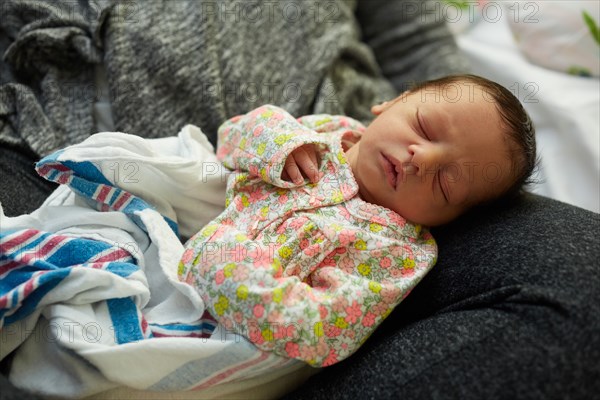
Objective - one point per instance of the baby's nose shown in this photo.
(424, 159)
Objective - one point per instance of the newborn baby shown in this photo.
(322, 235)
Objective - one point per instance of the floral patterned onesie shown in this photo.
(307, 271)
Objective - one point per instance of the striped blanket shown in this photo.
(89, 295)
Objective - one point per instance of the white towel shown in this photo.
(89, 295)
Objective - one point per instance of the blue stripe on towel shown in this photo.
(124, 316)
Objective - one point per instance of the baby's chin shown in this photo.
(428, 219)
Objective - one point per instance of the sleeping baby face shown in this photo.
(432, 154)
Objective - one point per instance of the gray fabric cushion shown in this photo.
(511, 310)
(22, 190)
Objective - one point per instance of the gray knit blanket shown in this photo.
(173, 62)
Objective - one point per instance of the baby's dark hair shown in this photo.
(516, 123)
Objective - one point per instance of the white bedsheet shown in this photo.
(565, 110)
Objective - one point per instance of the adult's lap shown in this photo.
(511, 310)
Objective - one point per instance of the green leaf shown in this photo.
(579, 71)
(593, 26)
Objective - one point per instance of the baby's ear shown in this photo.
(379, 108)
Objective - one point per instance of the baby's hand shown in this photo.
(302, 163)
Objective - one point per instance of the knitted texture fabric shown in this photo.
(21, 187)
(170, 63)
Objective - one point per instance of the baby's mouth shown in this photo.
(391, 171)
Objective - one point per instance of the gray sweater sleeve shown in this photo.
(410, 40)
(48, 50)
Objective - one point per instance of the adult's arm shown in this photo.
(410, 40)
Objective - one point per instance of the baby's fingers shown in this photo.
(291, 171)
(302, 162)
(307, 160)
